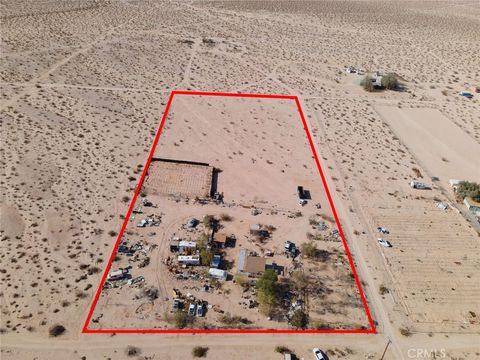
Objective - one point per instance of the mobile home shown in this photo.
(189, 260)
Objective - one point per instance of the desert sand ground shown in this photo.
(258, 149)
(84, 85)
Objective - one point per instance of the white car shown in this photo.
(192, 309)
(384, 243)
(319, 355)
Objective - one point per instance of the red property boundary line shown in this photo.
(86, 330)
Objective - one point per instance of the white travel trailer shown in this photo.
(189, 260)
(218, 274)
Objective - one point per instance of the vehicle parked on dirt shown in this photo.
(192, 309)
(200, 310)
(384, 243)
(319, 354)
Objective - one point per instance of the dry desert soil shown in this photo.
(85, 83)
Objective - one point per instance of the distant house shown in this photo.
(253, 265)
(472, 206)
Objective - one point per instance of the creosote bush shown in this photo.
(199, 351)
(390, 81)
(282, 349)
(57, 330)
(367, 83)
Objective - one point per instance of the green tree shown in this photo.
(469, 189)
(267, 291)
(206, 256)
(267, 282)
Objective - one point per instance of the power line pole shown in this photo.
(386, 347)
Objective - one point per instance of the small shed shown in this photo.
(174, 245)
(220, 239)
(218, 274)
(255, 229)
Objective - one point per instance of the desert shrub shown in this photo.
(151, 293)
(469, 189)
(299, 319)
(270, 228)
(206, 256)
(319, 325)
(226, 217)
(199, 351)
(405, 332)
(229, 319)
(383, 290)
(202, 240)
(309, 249)
(281, 349)
(417, 172)
(367, 83)
(241, 280)
(180, 319)
(209, 221)
(93, 270)
(57, 330)
(300, 280)
(132, 351)
(390, 81)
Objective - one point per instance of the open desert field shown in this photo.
(84, 86)
(254, 151)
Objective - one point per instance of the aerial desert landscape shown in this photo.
(390, 92)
